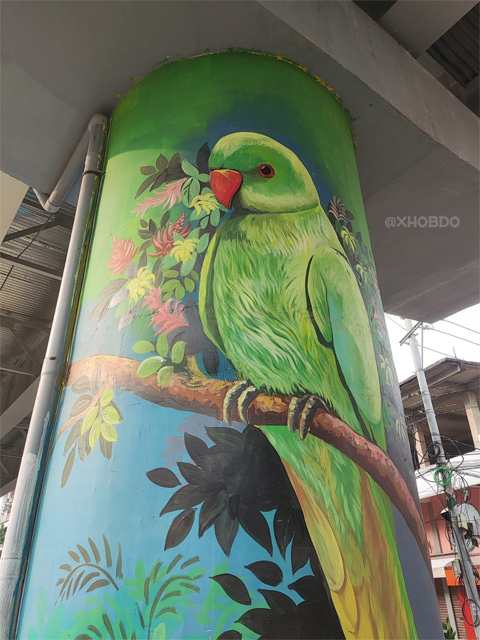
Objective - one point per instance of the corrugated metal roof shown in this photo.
(457, 51)
(27, 304)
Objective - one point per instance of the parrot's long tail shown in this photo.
(350, 522)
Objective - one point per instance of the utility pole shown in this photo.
(445, 477)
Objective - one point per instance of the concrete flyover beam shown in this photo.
(417, 25)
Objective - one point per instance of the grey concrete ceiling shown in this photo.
(417, 145)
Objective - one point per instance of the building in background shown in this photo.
(454, 388)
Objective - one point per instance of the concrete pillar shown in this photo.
(473, 415)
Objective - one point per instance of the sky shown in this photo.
(463, 343)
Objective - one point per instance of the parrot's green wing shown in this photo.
(206, 295)
(338, 313)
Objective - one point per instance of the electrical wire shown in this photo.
(457, 337)
(461, 326)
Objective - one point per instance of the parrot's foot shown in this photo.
(240, 395)
(302, 410)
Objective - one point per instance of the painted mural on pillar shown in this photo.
(223, 463)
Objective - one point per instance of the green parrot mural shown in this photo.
(294, 323)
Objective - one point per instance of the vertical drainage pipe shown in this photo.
(18, 540)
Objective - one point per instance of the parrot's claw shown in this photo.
(240, 395)
(303, 409)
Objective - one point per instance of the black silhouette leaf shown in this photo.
(68, 467)
(193, 474)
(211, 509)
(233, 587)
(174, 163)
(234, 506)
(301, 550)
(278, 601)
(283, 528)
(163, 478)
(74, 555)
(309, 588)
(255, 524)
(147, 171)
(196, 448)
(66, 567)
(84, 552)
(97, 584)
(202, 158)
(180, 528)
(161, 163)
(185, 497)
(225, 435)
(230, 635)
(266, 571)
(225, 530)
(257, 620)
(161, 178)
(145, 184)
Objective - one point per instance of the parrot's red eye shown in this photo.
(266, 170)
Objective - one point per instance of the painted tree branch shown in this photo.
(205, 396)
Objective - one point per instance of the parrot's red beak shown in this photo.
(225, 183)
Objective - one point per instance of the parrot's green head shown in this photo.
(260, 175)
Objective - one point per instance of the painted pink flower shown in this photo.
(169, 316)
(153, 299)
(167, 197)
(164, 241)
(123, 251)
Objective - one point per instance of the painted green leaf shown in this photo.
(204, 177)
(171, 273)
(107, 397)
(95, 431)
(178, 352)
(109, 432)
(215, 217)
(179, 292)
(149, 366)
(194, 275)
(143, 346)
(194, 189)
(89, 419)
(164, 375)
(189, 285)
(187, 266)
(162, 344)
(160, 632)
(203, 243)
(189, 169)
(111, 415)
(170, 285)
(203, 223)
